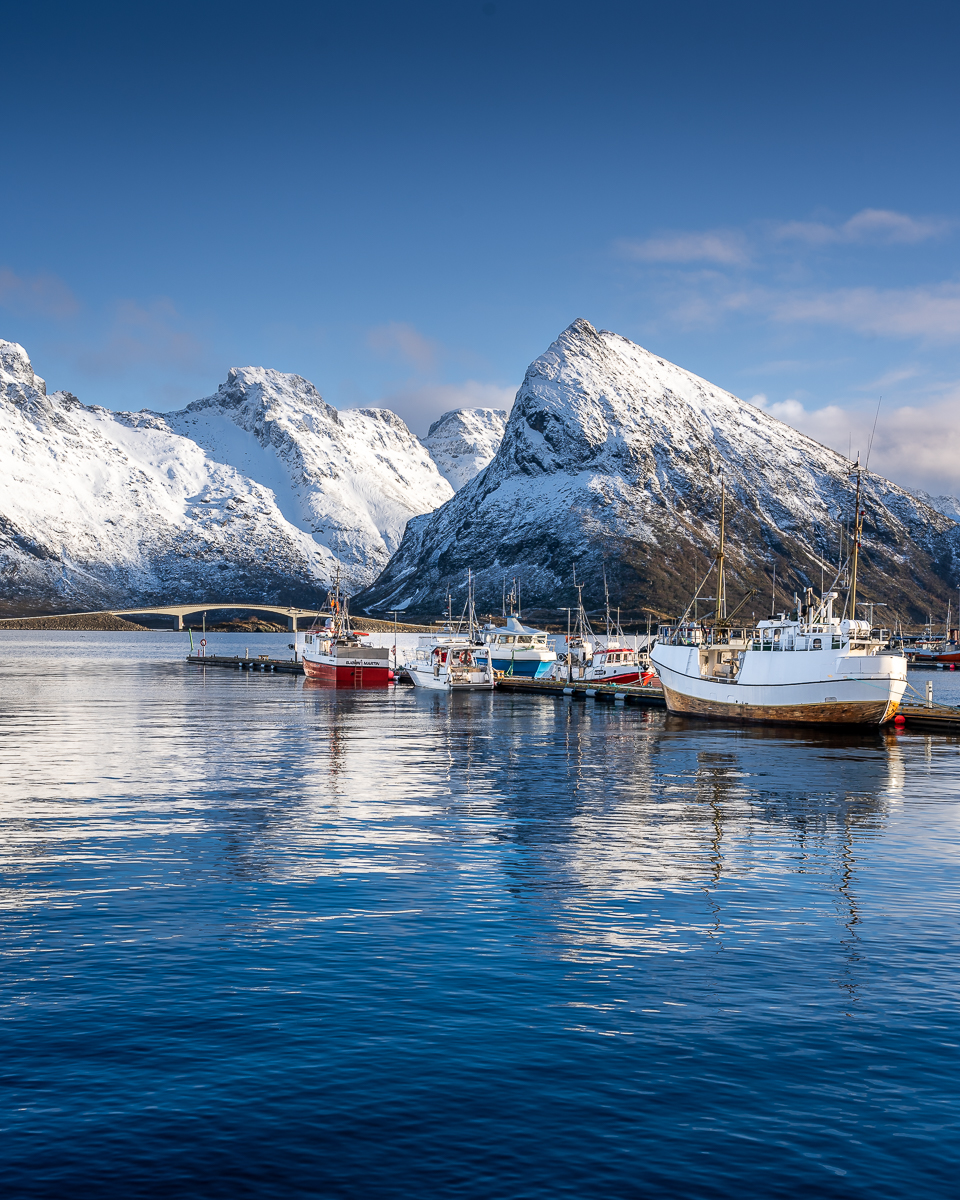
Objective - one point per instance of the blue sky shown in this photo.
(407, 202)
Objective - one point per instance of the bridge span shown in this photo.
(290, 613)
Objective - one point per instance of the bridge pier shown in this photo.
(291, 624)
(178, 622)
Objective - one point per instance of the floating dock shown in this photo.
(624, 693)
(262, 662)
(915, 715)
(929, 717)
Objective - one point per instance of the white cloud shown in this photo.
(913, 446)
(921, 446)
(873, 225)
(930, 313)
(399, 340)
(726, 247)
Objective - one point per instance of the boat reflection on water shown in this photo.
(704, 817)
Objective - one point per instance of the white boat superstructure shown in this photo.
(519, 649)
(449, 662)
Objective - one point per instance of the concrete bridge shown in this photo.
(177, 612)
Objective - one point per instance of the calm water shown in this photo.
(264, 939)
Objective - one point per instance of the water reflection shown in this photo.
(550, 802)
(333, 926)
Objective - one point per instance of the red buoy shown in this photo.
(899, 719)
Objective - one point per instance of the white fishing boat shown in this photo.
(810, 665)
(454, 660)
(449, 662)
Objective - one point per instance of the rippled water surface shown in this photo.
(266, 939)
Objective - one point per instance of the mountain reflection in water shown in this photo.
(263, 938)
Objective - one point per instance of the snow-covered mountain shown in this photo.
(614, 456)
(949, 506)
(351, 479)
(463, 442)
(245, 494)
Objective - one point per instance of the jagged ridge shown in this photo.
(245, 494)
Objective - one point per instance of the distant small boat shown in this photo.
(945, 650)
(600, 658)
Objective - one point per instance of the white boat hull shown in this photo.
(816, 687)
(473, 680)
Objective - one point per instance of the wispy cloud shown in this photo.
(724, 247)
(139, 335)
(420, 406)
(41, 295)
(889, 379)
(929, 313)
(870, 225)
(754, 246)
(401, 341)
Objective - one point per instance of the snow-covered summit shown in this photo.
(614, 455)
(247, 494)
(948, 505)
(462, 442)
(351, 480)
(16, 368)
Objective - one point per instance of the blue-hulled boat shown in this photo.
(518, 649)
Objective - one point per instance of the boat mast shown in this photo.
(721, 577)
(857, 527)
(606, 597)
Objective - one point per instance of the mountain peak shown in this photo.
(612, 457)
(463, 441)
(16, 368)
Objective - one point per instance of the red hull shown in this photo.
(626, 677)
(344, 676)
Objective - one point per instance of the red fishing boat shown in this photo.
(336, 655)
